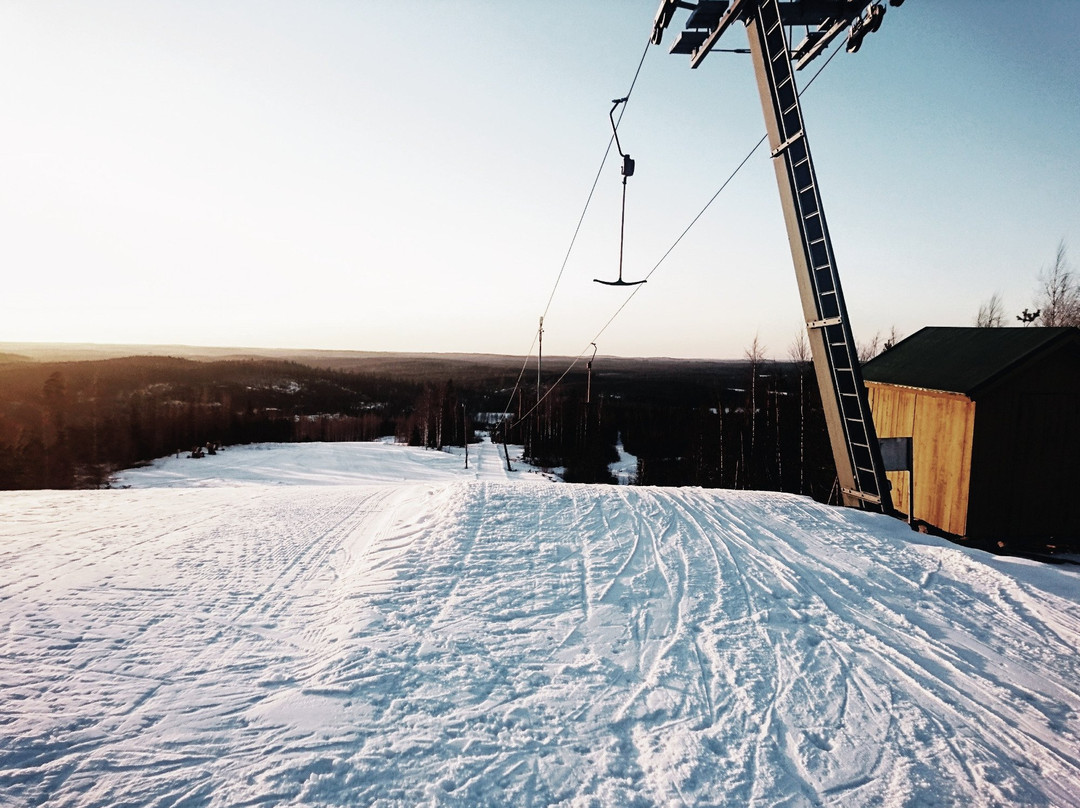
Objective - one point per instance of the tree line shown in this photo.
(70, 425)
(754, 423)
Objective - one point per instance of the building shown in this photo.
(994, 420)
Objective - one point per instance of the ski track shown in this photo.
(478, 642)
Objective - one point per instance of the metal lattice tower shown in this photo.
(855, 448)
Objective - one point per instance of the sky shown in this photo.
(357, 175)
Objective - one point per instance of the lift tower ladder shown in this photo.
(855, 447)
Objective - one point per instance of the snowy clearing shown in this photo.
(389, 629)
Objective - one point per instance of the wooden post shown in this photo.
(465, 433)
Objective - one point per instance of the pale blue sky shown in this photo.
(380, 176)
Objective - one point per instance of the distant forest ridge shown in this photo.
(364, 361)
(70, 423)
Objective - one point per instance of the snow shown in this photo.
(321, 464)
(625, 468)
(368, 624)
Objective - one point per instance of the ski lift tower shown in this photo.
(855, 448)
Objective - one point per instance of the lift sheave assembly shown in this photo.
(627, 171)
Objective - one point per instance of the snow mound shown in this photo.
(458, 640)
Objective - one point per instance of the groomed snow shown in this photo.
(389, 629)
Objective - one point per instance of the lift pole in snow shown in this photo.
(855, 448)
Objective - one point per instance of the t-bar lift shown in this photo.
(627, 171)
(855, 447)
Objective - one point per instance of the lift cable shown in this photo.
(701, 213)
(637, 289)
(670, 249)
(577, 229)
(596, 180)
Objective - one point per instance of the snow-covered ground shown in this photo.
(326, 464)
(625, 469)
(390, 629)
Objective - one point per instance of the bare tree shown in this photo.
(868, 350)
(991, 313)
(799, 352)
(755, 355)
(1058, 297)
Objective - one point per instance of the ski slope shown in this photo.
(367, 624)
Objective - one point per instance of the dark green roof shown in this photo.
(961, 360)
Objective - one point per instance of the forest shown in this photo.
(750, 424)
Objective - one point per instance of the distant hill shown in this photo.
(380, 362)
(412, 367)
(80, 352)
